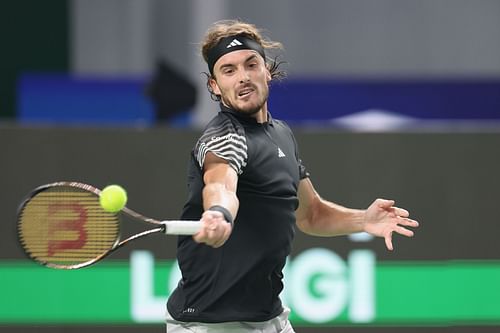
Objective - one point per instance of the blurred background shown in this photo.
(388, 98)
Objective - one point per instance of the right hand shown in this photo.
(215, 230)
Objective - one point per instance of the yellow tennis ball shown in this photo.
(113, 198)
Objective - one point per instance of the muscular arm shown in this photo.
(220, 189)
(220, 184)
(319, 217)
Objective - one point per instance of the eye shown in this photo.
(228, 71)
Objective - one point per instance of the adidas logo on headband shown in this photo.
(235, 42)
(229, 44)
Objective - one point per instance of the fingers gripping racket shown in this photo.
(62, 225)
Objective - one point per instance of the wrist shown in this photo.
(225, 212)
(362, 221)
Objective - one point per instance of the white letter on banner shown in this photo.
(175, 277)
(146, 307)
(318, 285)
(362, 286)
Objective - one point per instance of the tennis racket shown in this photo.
(62, 225)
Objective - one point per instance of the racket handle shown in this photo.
(181, 227)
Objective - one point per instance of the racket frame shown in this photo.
(170, 227)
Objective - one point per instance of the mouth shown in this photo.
(245, 92)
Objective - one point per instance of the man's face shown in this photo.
(241, 80)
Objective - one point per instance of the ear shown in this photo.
(268, 74)
(214, 86)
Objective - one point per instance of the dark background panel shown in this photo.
(449, 182)
(149, 164)
(35, 38)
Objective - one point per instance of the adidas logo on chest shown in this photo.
(281, 153)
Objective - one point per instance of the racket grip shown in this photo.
(182, 227)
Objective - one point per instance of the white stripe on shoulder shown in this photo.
(224, 141)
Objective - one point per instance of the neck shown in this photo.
(261, 115)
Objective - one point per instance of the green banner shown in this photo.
(321, 289)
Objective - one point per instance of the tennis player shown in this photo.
(249, 187)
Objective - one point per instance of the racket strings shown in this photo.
(66, 226)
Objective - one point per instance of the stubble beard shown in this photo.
(251, 110)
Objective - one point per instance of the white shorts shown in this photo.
(279, 324)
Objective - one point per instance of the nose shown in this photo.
(244, 77)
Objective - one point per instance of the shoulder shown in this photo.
(282, 126)
(281, 123)
(222, 124)
(225, 137)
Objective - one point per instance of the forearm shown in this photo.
(219, 190)
(319, 217)
(218, 194)
(330, 219)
